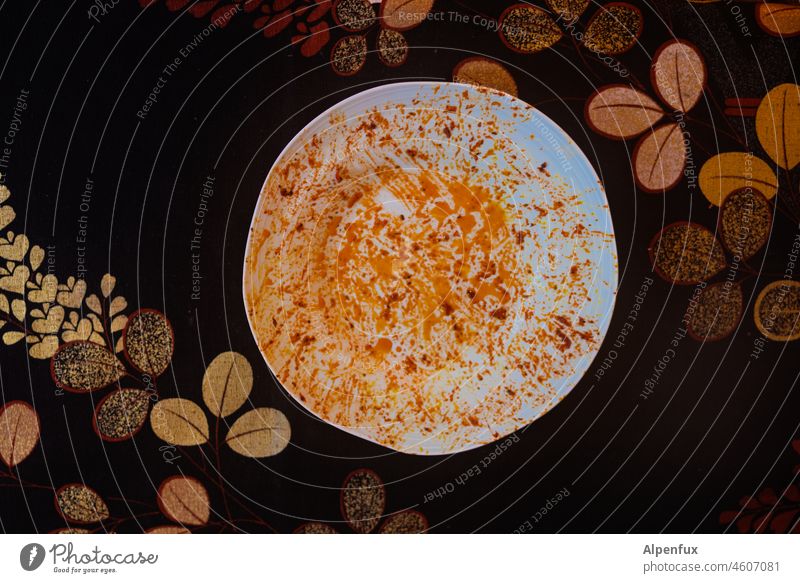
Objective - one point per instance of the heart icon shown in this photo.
(47, 292)
(44, 349)
(15, 282)
(15, 251)
(50, 324)
(7, 215)
(82, 331)
(73, 297)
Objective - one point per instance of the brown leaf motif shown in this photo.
(19, 432)
(184, 500)
(659, 159)
(679, 74)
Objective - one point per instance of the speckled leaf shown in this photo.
(353, 15)
(121, 414)
(408, 522)
(184, 500)
(149, 341)
(659, 159)
(363, 500)
(568, 10)
(528, 29)
(83, 366)
(621, 112)
(179, 422)
(745, 222)
(686, 253)
(315, 528)
(261, 432)
(485, 72)
(404, 14)
(392, 47)
(227, 383)
(19, 432)
(614, 28)
(778, 125)
(679, 74)
(717, 312)
(349, 54)
(81, 504)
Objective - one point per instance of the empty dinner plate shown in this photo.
(430, 266)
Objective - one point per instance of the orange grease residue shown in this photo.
(419, 251)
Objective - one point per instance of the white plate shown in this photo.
(430, 321)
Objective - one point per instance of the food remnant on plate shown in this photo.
(425, 285)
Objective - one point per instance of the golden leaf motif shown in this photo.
(73, 295)
(117, 305)
(36, 256)
(184, 500)
(731, 171)
(15, 283)
(179, 422)
(149, 341)
(45, 348)
(85, 366)
(119, 323)
(93, 303)
(19, 432)
(50, 324)
(7, 215)
(81, 331)
(18, 308)
(778, 125)
(47, 290)
(227, 383)
(15, 251)
(81, 504)
(779, 19)
(107, 284)
(259, 433)
(5, 193)
(10, 338)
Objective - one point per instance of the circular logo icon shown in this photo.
(31, 556)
